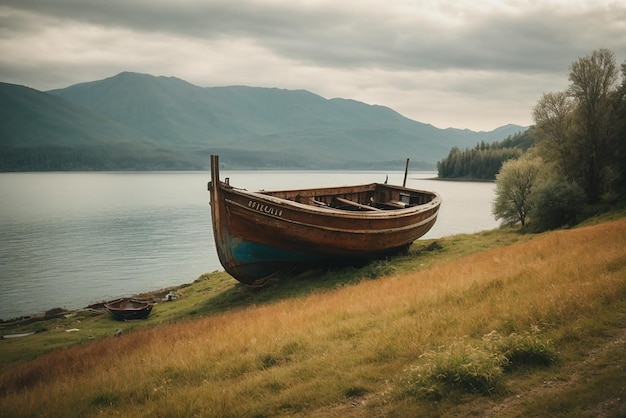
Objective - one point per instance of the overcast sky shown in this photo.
(473, 64)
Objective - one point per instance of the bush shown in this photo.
(521, 350)
(464, 368)
(555, 204)
(461, 368)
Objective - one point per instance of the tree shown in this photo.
(514, 185)
(553, 115)
(593, 83)
(620, 134)
(577, 128)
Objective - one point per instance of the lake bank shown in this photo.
(217, 291)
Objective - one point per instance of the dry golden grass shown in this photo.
(315, 354)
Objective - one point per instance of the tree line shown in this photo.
(483, 162)
(577, 165)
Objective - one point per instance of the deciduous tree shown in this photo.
(553, 115)
(514, 184)
(577, 128)
(593, 84)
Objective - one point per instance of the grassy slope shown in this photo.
(341, 345)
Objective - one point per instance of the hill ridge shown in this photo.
(157, 122)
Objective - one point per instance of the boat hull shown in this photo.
(260, 235)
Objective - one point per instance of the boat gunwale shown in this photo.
(335, 212)
(143, 305)
(342, 230)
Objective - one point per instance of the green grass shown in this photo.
(496, 323)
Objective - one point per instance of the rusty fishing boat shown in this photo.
(259, 235)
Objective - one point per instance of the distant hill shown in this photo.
(139, 121)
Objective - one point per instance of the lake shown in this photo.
(72, 239)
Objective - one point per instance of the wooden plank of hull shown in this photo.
(258, 234)
(253, 261)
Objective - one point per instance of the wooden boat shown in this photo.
(259, 235)
(125, 309)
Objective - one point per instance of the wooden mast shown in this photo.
(406, 171)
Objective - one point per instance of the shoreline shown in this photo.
(459, 179)
(153, 296)
(50, 290)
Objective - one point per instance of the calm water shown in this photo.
(72, 239)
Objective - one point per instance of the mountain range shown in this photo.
(142, 122)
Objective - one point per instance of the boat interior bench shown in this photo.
(371, 199)
(355, 204)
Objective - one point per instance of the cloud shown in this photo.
(450, 63)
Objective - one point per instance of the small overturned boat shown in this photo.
(259, 235)
(126, 309)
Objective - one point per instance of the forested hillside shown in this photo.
(138, 121)
(483, 162)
